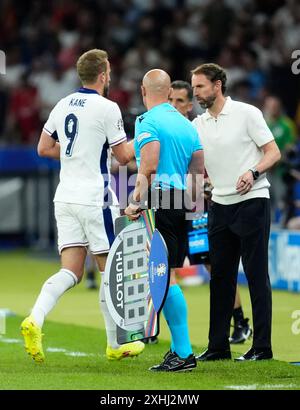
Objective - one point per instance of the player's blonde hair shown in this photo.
(91, 64)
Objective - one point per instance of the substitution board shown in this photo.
(136, 278)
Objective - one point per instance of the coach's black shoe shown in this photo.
(211, 355)
(173, 363)
(255, 354)
(241, 332)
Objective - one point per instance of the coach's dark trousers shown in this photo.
(239, 230)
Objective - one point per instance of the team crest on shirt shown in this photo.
(120, 124)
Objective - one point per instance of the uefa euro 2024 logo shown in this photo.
(159, 270)
(2, 62)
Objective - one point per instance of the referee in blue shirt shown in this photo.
(167, 148)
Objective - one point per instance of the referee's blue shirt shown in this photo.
(178, 141)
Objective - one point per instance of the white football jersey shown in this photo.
(86, 125)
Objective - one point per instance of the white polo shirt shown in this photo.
(232, 144)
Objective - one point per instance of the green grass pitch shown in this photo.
(74, 342)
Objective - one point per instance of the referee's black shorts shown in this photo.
(173, 225)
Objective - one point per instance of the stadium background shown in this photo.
(252, 39)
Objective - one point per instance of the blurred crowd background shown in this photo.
(252, 39)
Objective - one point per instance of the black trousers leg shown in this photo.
(224, 256)
(255, 230)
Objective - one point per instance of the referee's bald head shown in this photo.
(157, 82)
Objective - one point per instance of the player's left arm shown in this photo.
(48, 147)
(149, 163)
(122, 153)
(130, 149)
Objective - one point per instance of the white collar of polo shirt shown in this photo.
(225, 110)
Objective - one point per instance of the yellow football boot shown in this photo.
(33, 339)
(126, 350)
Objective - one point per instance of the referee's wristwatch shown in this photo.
(255, 173)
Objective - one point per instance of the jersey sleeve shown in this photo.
(114, 126)
(50, 125)
(258, 128)
(145, 132)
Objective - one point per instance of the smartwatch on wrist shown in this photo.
(255, 173)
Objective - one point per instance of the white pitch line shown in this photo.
(260, 386)
(10, 341)
(79, 354)
(51, 349)
(56, 350)
(68, 353)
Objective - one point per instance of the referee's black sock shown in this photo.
(238, 315)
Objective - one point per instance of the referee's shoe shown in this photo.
(173, 363)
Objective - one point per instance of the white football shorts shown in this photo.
(83, 225)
